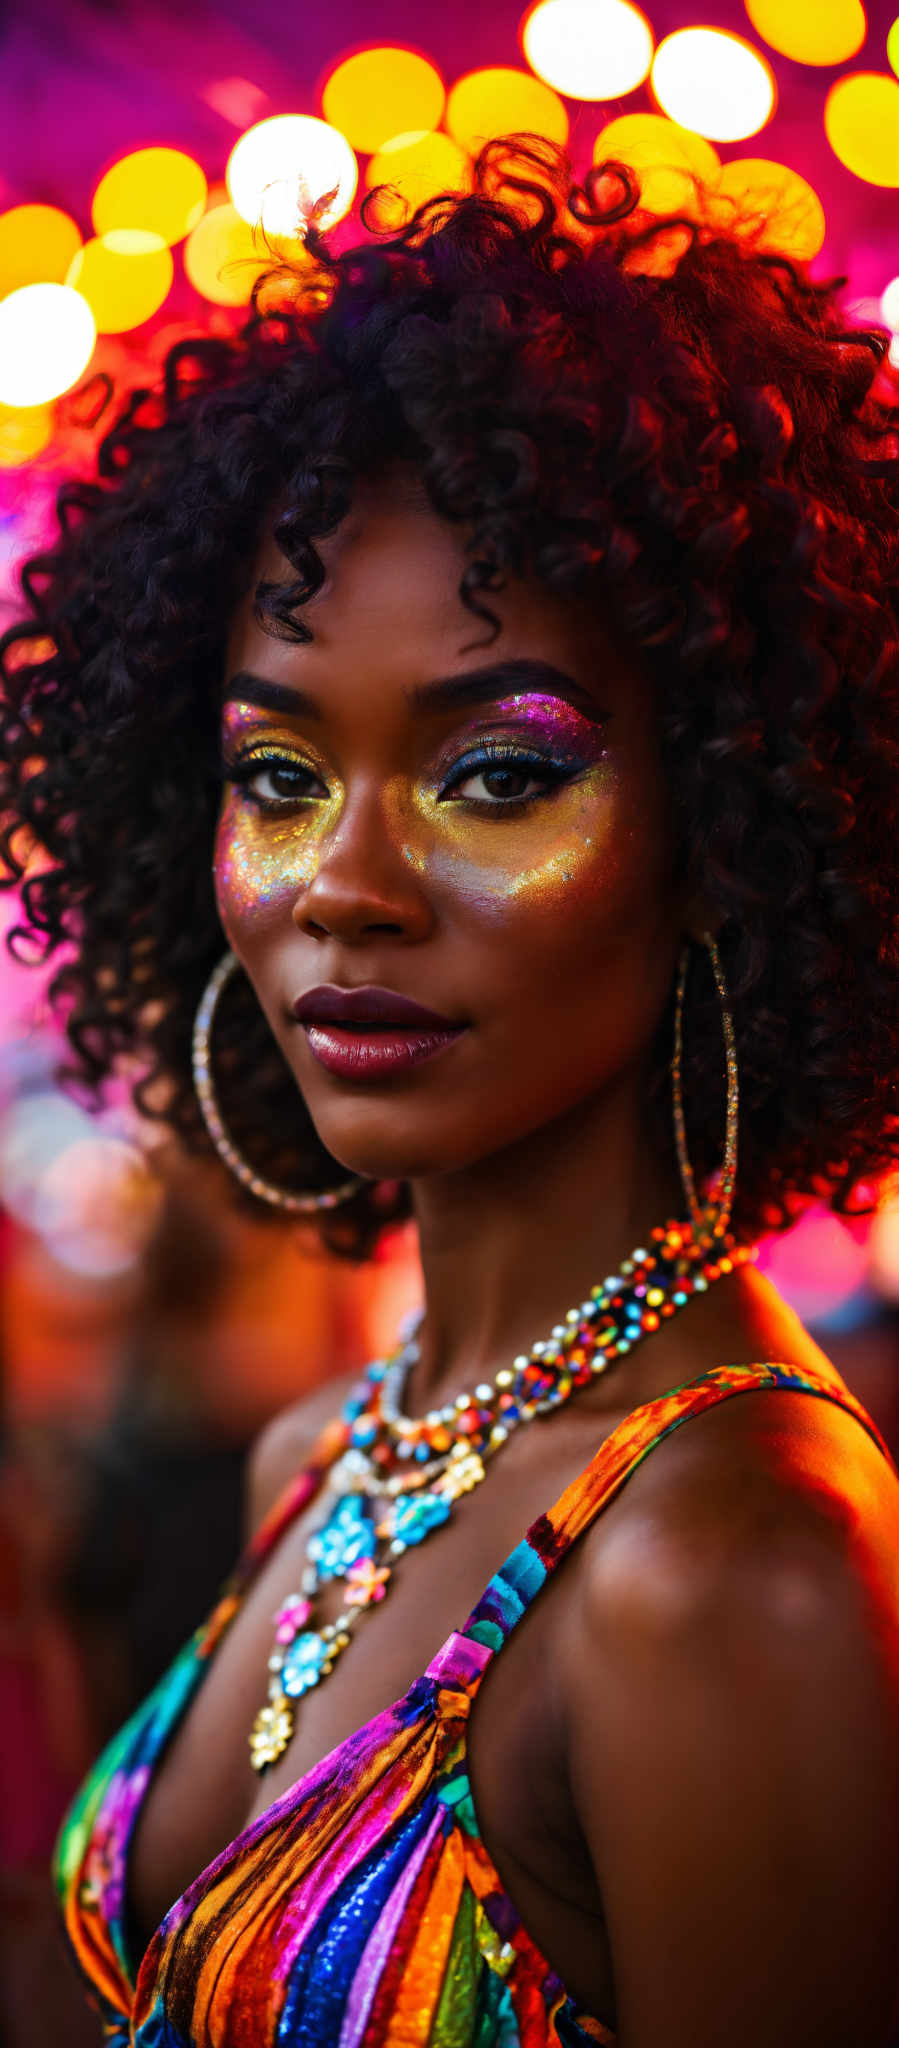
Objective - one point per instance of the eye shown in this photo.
(271, 781)
(509, 775)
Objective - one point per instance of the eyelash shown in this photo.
(490, 755)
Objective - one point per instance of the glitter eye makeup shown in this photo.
(554, 720)
(266, 846)
(265, 757)
(528, 753)
(562, 742)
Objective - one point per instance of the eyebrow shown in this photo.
(484, 685)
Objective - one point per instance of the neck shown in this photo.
(510, 1243)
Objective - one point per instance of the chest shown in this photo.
(205, 1793)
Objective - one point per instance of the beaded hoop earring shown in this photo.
(710, 1220)
(265, 1190)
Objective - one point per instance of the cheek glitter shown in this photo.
(572, 855)
(534, 855)
(259, 860)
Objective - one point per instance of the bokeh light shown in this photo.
(811, 31)
(47, 336)
(23, 434)
(161, 191)
(770, 205)
(667, 159)
(124, 276)
(818, 1265)
(714, 82)
(37, 244)
(238, 100)
(223, 258)
(95, 1205)
(861, 117)
(502, 101)
(34, 1129)
(418, 166)
(893, 45)
(383, 92)
(889, 304)
(588, 49)
(280, 168)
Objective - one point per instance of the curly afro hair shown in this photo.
(661, 417)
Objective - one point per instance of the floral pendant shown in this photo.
(346, 1536)
(412, 1518)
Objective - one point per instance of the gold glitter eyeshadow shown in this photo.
(261, 855)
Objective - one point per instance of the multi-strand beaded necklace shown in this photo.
(399, 1478)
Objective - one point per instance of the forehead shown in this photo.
(390, 612)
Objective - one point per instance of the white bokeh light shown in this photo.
(889, 305)
(714, 82)
(278, 169)
(47, 336)
(588, 49)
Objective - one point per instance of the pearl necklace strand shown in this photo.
(399, 1476)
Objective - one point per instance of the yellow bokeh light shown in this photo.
(23, 434)
(588, 49)
(222, 257)
(667, 159)
(37, 244)
(811, 31)
(47, 336)
(771, 206)
(714, 82)
(893, 45)
(502, 101)
(861, 117)
(161, 191)
(278, 170)
(889, 304)
(124, 276)
(380, 93)
(418, 166)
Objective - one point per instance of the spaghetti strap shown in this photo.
(549, 1538)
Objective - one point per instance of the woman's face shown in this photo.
(495, 849)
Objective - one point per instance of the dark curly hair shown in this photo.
(660, 417)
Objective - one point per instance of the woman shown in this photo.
(500, 928)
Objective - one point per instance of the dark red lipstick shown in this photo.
(361, 1033)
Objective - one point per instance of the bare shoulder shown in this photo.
(732, 1684)
(286, 1443)
(771, 1472)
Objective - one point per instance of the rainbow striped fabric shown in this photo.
(361, 1910)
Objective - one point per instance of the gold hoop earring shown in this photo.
(265, 1190)
(711, 1218)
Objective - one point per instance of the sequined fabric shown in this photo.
(361, 1910)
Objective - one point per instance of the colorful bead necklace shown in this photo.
(400, 1476)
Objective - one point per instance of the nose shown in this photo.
(367, 879)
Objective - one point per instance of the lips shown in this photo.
(377, 1007)
(365, 1035)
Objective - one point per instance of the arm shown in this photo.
(733, 1690)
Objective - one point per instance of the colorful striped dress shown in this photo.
(362, 1909)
